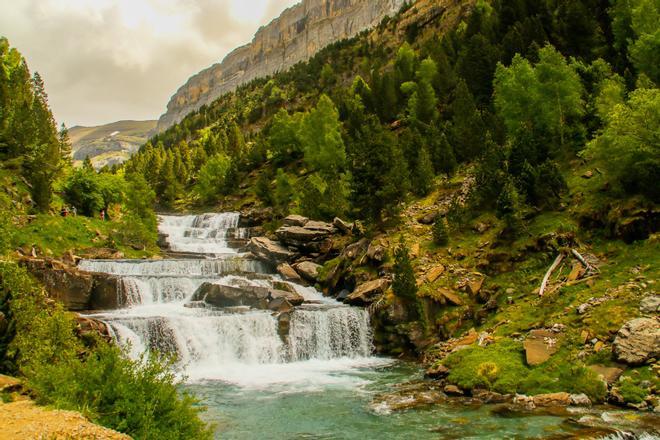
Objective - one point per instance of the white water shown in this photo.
(238, 346)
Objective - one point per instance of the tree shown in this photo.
(508, 207)
(284, 138)
(628, 146)
(283, 194)
(321, 139)
(212, 177)
(467, 129)
(422, 175)
(404, 284)
(65, 146)
(645, 50)
(440, 233)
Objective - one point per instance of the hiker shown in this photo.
(64, 211)
(74, 210)
(103, 215)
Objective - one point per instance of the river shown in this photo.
(320, 380)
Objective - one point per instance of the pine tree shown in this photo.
(467, 128)
(508, 207)
(440, 234)
(404, 284)
(65, 146)
(422, 176)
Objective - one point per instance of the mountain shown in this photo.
(111, 143)
(296, 35)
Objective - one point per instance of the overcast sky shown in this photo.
(108, 60)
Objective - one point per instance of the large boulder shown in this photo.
(227, 296)
(269, 250)
(638, 341)
(650, 304)
(313, 236)
(295, 220)
(367, 293)
(308, 270)
(288, 273)
(539, 346)
(107, 292)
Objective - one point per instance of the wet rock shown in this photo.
(524, 401)
(490, 397)
(288, 273)
(343, 226)
(539, 346)
(295, 220)
(308, 270)
(409, 397)
(453, 390)
(280, 305)
(367, 292)
(608, 374)
(437, 372)
(283, 325)
(638, 341)
(281, 285)
(269, 250)
(650, 304)
(106, 293)
(293, 297)
(227, 296)
(580, 400)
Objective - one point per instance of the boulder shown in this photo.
(308, 270)
(539, 346)
(92, 327)
(102, 254)
(608, 374)
(309, 237)
(288, 273)
(280, 305)
(428, 218)
(376, 252)
(292, 297)
(580, 400)
(269, 250)
(343, 226)
(9, 384)
(474, 286)
(650, 304)
(638, 341)
(453, 390)
(226, 296)
(491, 397)
(526, 402)
(437, 372)
(64, 283)
(281, 285)
(295, 220)
(367, 292)
(450, 296)
(433, 274)
(552, 399)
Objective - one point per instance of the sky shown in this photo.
(110, 60)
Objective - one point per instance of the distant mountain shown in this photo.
(109, 144)
(296, 35)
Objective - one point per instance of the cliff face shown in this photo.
(296, 35)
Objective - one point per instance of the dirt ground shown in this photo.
(26, 421)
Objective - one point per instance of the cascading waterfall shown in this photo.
(224, 344)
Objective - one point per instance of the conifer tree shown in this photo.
(467, 128)
(404, 284)
(440, 234)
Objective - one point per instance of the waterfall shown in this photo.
(234, 344)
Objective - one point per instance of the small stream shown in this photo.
(318, 381)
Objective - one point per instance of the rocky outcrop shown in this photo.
(308, 270)
(251, 296)
(76, 289)
(269, 250)
(312, 237)
(296, 35)
(368, 292)
(638, 341)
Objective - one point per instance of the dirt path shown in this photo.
(25, 420)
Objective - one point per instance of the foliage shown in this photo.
(212, 179)
(440, 233)
(90, 192)
(404, 284)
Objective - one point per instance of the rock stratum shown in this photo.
(296, 35)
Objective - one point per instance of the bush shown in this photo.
(139, 398)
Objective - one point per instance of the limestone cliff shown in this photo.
(296, 35)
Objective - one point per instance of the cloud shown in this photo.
(106, 60)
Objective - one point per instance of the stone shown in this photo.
(638, 341)
(281, 285)
(433, 274)
(414, 250)
(437, 372)
(292, 297)
(288, 273)
(428, 218)
(367, 292)
(311, 237)
(227, 296)
(608, 374)
(650, 304)
(481, 227)
(580, 400)
(474, 286)
(598, 346)
(376, 252)
(539, 346)
(453, 390)
(450, 296)
(107, 293)
(296, 35)
(269, 250)
(552, 399)
(64, 283)
(308, 270)
(526, 402)
(295, 220)
(584, 308)
(9, 384)
(588, 175)
(280, 305)
(490, 397)
(343, 226)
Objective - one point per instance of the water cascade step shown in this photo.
(224, 343)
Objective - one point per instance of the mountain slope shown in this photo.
(111, 143)
(296, 35)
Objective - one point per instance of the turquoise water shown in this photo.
(336, 405)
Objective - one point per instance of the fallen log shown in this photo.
(548, 274)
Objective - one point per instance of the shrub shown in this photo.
(440, 234)
(631, 392)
